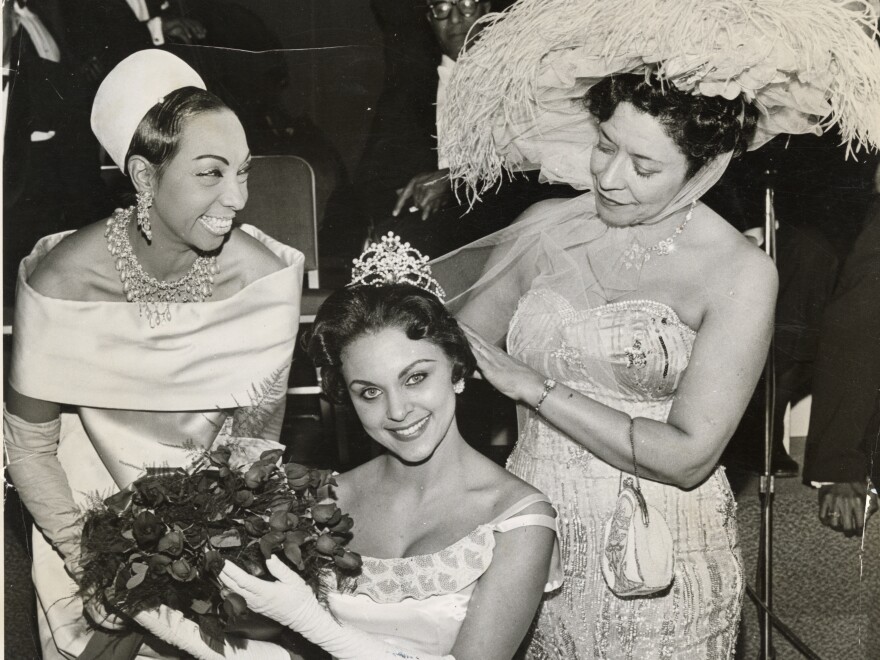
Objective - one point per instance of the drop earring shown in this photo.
(144, 202)
(458, 386)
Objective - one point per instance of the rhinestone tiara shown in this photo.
(392, 262)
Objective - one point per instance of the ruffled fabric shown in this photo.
(514, 101)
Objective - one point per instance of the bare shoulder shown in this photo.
(749, 272)
(738, 266)
(510, 490)
(250, 258)
(72, 267)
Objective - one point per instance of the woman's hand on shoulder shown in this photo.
(513, 378)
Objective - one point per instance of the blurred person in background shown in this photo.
(843, 443)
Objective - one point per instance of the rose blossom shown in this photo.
(146, 528)
(171, 543)
(182, 570)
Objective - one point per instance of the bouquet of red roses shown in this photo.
(163, 540)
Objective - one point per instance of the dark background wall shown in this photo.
(334, 62)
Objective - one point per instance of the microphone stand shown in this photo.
(766, 487)
(762, 595)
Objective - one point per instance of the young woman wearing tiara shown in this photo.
(457, 551)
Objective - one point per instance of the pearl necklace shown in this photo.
(154, 296)
(636, 255)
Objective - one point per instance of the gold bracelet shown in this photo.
(549, 384)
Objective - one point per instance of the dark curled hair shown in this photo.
(158, 135)
(702, 127)
(353, 312)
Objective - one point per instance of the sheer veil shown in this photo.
(515, 102)
(563, 246)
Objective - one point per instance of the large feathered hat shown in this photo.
(515, 98)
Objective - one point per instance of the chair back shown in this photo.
(281, 202)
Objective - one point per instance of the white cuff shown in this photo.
(154, 25)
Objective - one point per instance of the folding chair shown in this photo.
(281, 202)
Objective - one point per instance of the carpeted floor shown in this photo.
(19, 611)
(818, 590)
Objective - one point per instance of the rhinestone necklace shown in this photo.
(636, 255)
(154, 296)
(664, 247)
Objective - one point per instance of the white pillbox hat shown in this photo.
(135, 85)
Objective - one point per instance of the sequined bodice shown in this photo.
(629, 355)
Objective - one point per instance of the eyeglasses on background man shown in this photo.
(441, 9)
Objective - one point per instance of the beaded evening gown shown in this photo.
(629, 355)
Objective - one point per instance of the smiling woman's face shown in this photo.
(198, 193)
(637, 169)
(402, 392)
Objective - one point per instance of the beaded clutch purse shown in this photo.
(637, 553)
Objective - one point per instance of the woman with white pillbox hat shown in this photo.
(161, 329)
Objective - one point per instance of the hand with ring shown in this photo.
(845, 507)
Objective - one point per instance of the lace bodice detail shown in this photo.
(630, 355)
(421, 576)
(448, 570)
(420, 602)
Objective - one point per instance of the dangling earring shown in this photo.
(458, 386)
(144, 202)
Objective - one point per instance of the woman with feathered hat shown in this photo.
(637, 320)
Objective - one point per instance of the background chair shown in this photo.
(281, 202)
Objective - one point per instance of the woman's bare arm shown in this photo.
(508, 593)
(726, 361)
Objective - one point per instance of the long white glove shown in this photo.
(291, 602)
(171, 626)
(32, 462)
